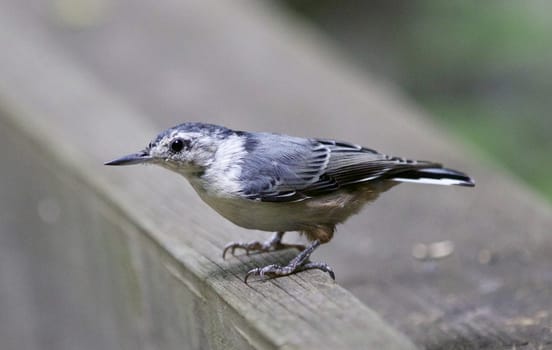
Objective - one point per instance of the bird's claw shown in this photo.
(274, 270)
(247, 246)
(320, 266)
(268, 271)
(299, 263)
(258, 247)
(255, 271)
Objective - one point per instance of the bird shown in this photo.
(280, 183)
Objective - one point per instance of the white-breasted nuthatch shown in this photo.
(280, 183)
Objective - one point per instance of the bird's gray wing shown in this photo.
(278, 167)
(281, 168)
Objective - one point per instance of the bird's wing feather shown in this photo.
(309, 167)
(276, 173)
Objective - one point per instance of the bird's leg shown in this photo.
(274, 243)
(299, 263)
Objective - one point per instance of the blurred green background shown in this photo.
(482, 68)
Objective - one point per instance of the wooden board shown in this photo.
(249, 66)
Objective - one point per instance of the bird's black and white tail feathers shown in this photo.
(434, 176)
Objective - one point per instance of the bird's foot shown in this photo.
(274, 243)
(272, 271)
(299, 263)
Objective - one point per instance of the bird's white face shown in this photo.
(183, 152)
(186, 151)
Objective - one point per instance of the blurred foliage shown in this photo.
(483, 68)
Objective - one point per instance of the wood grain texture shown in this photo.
(145, 66)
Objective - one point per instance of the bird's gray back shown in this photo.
(287, 168)
(280, 164)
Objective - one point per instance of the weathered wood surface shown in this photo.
(103, 90)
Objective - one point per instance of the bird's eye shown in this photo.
(178, 145)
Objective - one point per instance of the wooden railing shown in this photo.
(104, 258)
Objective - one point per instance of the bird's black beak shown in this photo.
(136, 158)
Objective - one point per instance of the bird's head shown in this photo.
(186, 148)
